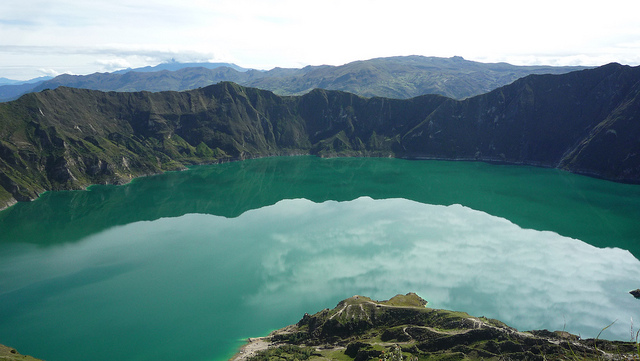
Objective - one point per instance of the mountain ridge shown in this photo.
(585, 122)
(175, 65)
(392, 77)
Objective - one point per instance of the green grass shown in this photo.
(335, 355)
(408, 300)
(286, 353)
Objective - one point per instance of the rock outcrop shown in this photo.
(403, 328)
(11, 354)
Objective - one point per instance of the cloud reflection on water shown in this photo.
(456, 257)
(208, 277)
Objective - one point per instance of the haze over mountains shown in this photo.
(5, 81)
(395, 77)
(585, 122)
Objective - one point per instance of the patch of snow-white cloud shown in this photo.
(114, 64)
(48, 72)
(265, 34)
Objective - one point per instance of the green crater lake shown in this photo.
(185, 265)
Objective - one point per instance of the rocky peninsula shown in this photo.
(403, 328)
(11, 354)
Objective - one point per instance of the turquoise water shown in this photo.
(187, 264)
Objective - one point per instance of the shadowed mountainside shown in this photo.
(585, 122)
(393, 77)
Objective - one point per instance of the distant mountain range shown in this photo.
(5, 81)
(174, 66)
(395, 77)
(586, 122)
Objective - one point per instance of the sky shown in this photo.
(51, 37)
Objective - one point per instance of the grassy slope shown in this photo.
(69, 138)
(10, 354)
(403, 329)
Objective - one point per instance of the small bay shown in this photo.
(188, 263)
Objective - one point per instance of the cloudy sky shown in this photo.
(49, 37)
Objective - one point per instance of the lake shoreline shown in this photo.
(7, 203)
(403, 328)
(176, 246)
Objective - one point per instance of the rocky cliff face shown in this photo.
(586, 122)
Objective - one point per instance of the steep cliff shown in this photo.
(586, 122)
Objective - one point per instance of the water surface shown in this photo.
(189, 263)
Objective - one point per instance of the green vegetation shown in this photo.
(286, 352)
(71, 138)
(402, 329)
(408, 300)
(11, 354)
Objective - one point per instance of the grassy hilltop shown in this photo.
(402, 328)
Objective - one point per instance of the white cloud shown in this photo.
(286, 33)
(48, 72)
(114, 64)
